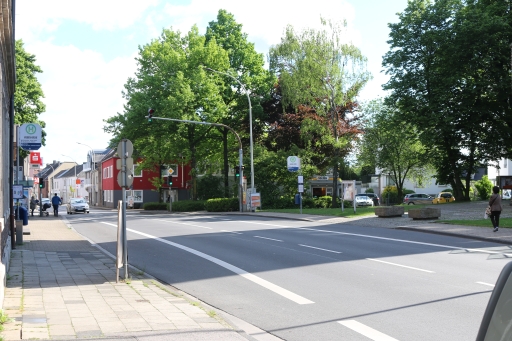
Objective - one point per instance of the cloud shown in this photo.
(81, 90)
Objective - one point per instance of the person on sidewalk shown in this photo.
(495, 204)
(33, 203)
(56, 202)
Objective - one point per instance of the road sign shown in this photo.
(124, 181)
(17, 191)
(293, 163)
(128, 148)
(29, 136)
(129, 163)
(170, 171)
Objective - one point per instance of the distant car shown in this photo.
(374, 197)
(77, 205)
(363, 200)
(417, 198)
(506, 195)
(443, 198)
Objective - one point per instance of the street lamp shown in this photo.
(93, 167)
(250, 122)
(76, 164)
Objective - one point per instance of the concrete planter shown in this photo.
(389, 211)
(424, 213)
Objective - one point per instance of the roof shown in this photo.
(71, 172)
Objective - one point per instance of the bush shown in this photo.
(281, 203)
(369, 190)
(209, 187)
(484, 187)
(222, 205)
(323, 202)
(188, 206)
(155, 206)
(408, 191)
(390, 194)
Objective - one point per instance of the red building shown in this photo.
(142, 190)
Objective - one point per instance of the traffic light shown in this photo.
(41, 182)
(169, 181)
(150, 114)
(237, 171)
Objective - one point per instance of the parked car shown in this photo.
(374, 197)
(506, 194)
(417, 198)
(77, 205)
(443, 197)
(363, 200)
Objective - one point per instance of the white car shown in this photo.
(363, 200)
(77, 205)
(506, 195)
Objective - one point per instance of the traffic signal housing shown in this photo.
(237, 172)
(150, 114)
(41, 182)
(169, 181)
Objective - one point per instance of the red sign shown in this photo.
(78, 181)
(35, 157)
(36, 180)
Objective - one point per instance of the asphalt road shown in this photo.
(312, 281)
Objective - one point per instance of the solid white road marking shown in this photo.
(405, 241)
(253, 278)
(230, 231)
(251, 222)
(175, 222)
(317, 248)
(491, 285)
(366, 331)
(400, 265)
(276, 240)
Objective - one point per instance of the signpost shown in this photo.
(125, 180)
(293, 163)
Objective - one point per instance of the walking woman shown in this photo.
(495, 203)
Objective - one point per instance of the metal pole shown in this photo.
(123, 212)
(17, 168)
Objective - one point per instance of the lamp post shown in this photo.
(76, 164)
(93, 168)
(250, 122)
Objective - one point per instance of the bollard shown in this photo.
(19, 232)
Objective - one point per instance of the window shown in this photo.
(169, 168)
(108, 195)
(136, 194)
(137, 170)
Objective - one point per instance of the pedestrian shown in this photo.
(495, 204)
(33, 203)
(56, 201)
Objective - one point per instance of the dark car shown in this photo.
(375, 198)
(417, 198)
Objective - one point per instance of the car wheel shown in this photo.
(87, 212)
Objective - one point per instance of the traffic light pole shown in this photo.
(240, 152)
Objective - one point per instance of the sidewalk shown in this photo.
(59, 286)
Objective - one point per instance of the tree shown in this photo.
(170, 79)
(246, 65)
(443, 76)
(318, 69)
(28, 104)
(391, 145)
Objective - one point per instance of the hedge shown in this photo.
(155, 206)
(222, 205)
(188, 206)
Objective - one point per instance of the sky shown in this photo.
(87, 50)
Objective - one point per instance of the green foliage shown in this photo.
(280, 203)
(188, 206)
(222, 205)
(28, 95)
(369, 190)
(155, 206)
(390, 194)
(408, 191)
(323, 202)
(209, 187)
(484, 187)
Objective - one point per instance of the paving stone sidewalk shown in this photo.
(59, 286)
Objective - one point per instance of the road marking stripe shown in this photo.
(491, 285)
(317, 248)
(404, 241)
(253, 278)
(175, 222)
(251, 222)
(403, 266)
(277, 240)
(366, 331)
(230, 231)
